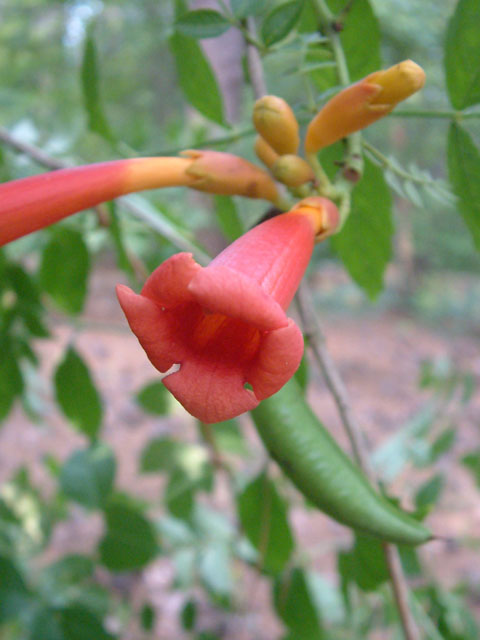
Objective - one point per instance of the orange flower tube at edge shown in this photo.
(225, 324)
(362, 103)
(29, 204)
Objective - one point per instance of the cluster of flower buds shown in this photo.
(224, 325)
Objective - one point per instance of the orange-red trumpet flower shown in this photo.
(362, 103)
(225, 324)
(32, 203)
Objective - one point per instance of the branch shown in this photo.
(255, 67)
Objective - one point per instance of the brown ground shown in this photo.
(379, 359)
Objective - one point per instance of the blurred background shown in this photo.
(90, 80)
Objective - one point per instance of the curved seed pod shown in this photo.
(275, 121)
(314, 462)
(292, 170)
(265, 153)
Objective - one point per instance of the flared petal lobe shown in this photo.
(225, 324)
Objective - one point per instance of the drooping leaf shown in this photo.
(280, 21)
(153, 398)
(294, 604)
(90, 78)
(365, 242)
(228, 218)
(202, 23)
(130, 541)
(263, 515)
(462, 53)
(196, 77)
(64, 269)
(76, 394)
(87, 476)
(463, 170)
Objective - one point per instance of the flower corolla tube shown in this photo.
(225, 324)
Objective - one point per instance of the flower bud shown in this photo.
(275, 121)
(226, 174)
(292, 170)
(264, 152)
(361, 104)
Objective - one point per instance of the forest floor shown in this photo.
(379, 357)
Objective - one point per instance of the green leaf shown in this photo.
(14, 594)
(159, 454)
(429, 492)
(45, 625)
(77, 395)
(130, 541)
(78, 623)
(202, 23)
(365, 242)
(243, 8)
(443, 443)
(214, 569)
(188, 615)
(263, 515)
(147, 617)
(154, 398)
(179, 494)
(229, 437)
(472, 462)
(90, 78)
(280, 21)
(69, 570)
(87, 476)
(64, 269)
(11, 380)
(462, 53)
(360, 37)
(365, 564)
(463, 170)
(196, 77)
(227, 217)
(295, 606)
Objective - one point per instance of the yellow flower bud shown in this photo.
(226, 174)
(361, 104)
(292, 170)
(264, 152)
(275, 121)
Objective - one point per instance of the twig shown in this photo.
(254, 62)
(333, 379)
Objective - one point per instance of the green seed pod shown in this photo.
(314, 462)
(292, 170)
(275, 121)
